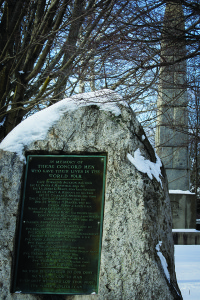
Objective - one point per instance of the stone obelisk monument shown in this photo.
(172, 116)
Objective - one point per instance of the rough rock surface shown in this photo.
(137, 209)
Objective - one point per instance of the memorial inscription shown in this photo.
(61, 225)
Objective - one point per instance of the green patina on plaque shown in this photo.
(61, 223)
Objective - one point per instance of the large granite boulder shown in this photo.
(137, 257)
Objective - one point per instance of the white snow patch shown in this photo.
(143, 137)
(163, 260)
(187, 266)
(180, 192)
(37, 126)
(185, 230)
(146, 166)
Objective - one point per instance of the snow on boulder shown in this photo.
(137, 215)
(36, 126)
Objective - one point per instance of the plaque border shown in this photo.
(21, 214)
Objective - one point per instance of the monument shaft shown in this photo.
(172, 115)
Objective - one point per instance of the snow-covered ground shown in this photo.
(187, 265)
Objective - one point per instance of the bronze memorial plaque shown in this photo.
(60, 229)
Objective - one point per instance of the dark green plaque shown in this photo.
(60, 232)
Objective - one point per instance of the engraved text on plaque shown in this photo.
(61, 225)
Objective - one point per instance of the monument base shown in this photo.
(183, 205)
(186, 237)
